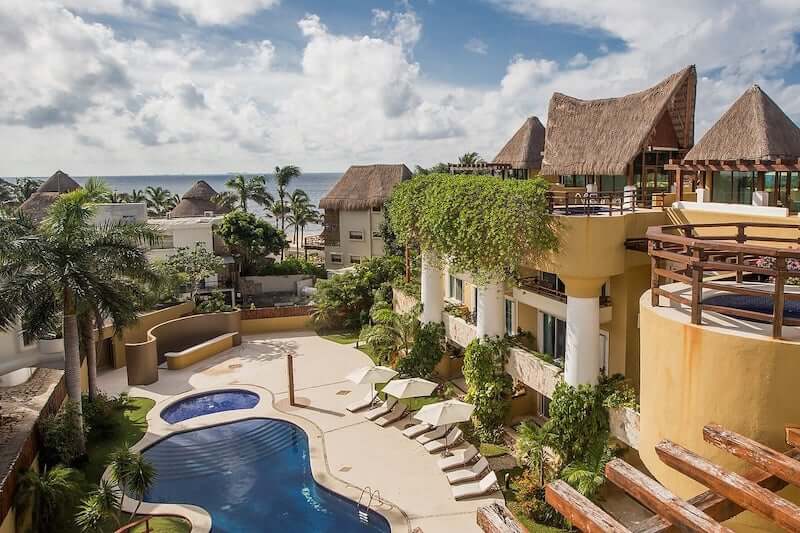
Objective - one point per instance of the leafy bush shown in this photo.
(618, 392)
(344, 301)
(98, 415)
(293, 265)
(61, 436)
(250, 238)
(459, 310)
(488, 386)
(215, 303)
(46, 496)
(578, 420)
(425, 353)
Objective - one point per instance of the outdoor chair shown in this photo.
(475, 488)
(459, 458)
(452, 438)
(363, 403)
(397, 412)
(470, 473)
(437, 433)
(381, 410)
(415, 431)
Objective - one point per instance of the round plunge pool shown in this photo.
(209, 403)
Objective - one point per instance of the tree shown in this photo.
(283, 177)
(226, 200)
(138, 196)
(97, 190)
(25, 187)
(193, 265)
(391, 334)
(301, 214)
(46, 496)
(249, 188)
(132, 473)
(470, 158)
(100, 505)
(250, 238)
(158, 200)
(47, 271)
(438, 168)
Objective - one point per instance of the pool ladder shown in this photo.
(363, 510)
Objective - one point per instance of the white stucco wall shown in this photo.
(184, 235)
(105, 213)
(365, 221)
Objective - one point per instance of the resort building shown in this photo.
(38, 203)
(354, 213)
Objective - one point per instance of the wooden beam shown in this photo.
(579, 510)
(660, 500)
(754, 453)
(793, 436)
(730, 485)
(716, 506)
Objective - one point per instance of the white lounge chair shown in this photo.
(381, 410)
(475, 488)
(363, 403)
(459, 458)
(470, 473)
(437, 433)
(415, 431)
(397, 412)
(451, 439)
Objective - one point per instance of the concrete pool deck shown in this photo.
(353, 452)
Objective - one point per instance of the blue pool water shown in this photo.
(205, 404)
(761, 304)
(252, 476)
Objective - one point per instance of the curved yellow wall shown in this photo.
(693, 375)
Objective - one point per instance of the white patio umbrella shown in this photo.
(445, 413)
(371, 375)
(409, 388)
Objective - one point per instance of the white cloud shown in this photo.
(203, 12)
(402, 28)
(476, 46)
(578, 60)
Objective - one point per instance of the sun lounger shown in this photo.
(415, 431)
(363, 403)
(397, 412)
(470, 473)
(451, 439)
(459, 458)
(437, 433)
(381, 410)
(475, 488)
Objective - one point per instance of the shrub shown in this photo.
(618, 392)
(426, 352)
(98, 415)
(215, 303)
(293, 265)
(61, 436)
(578, 420)
(488, 386)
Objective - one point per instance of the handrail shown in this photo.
(685, 257)
(534, 284)
(571, 202)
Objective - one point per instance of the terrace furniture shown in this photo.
(381, 410)
(437, 433)
(459, 458)
(415, 431)
(475, 488)
(397, 412)
(470, 473)
(437, 445)
(363, 403)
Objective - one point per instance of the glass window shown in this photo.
(376, 209)
(376, 235)
(510, 318)
(554, 337)
(456, 288)
(544, 406)
(733, 187)
(355, 259)
(573, 181)
(356, 235)
(336, 258)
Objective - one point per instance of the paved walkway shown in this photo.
(358, 452)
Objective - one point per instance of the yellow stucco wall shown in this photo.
(692, 375)
(267, 325)
(527, 319)
(690, 216)
(138, 332)
(198, 353)
(8, 525)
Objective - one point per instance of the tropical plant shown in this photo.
(390, 334)
(586, 474)
(214, 303)
(98, 413)
(249, 238)
(8, 195)
(301, 214)
(158, 200)
(132, 473)
(293, 265)
(425, 353)
(470, 158)
(489, 387)
(193, 265)
(97, 190)
(48, 270)
(25, 187)
(283, 177)
(62, 438)
(249, 188)
(46, 496)
(119, 197)
(226, 200)
(98, 507)
(138, 196)
(438, 168)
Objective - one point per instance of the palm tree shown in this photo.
(45, 495)
(587, 475)
(390, 333)
(470, 158)
(283, 177)
(299, 204)
(157, 199)
(65, 263)
(101, 504)
(97, 190)
(171, 202)
(25, 187)
(226, 200)
(132, 473)
(252, 188)
(119, 197)
(137, 196)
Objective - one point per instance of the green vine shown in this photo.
(489, 388)
(425, 354)
(483, 225)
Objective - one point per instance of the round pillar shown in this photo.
(582, 362)
(432, 288)
(491, 312)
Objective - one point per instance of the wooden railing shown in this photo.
(538, 286)
(571, 202)
(684, 253)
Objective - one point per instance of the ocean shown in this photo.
(315, 184)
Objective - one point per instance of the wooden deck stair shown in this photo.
(729, 493)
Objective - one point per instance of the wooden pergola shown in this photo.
(703, 169)
(729, 493)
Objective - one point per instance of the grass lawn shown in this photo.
(342, 337)
(130, 428)
(494, 450)
(511, 501)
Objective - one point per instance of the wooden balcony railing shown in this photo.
(571, 202)
(539, 286)
(684, 253)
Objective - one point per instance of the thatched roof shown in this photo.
(524, 149)
(754, 127)
(603, 136)
(364, 187)
(196, 202)
(38, 203)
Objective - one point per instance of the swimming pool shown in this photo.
(208, 403)
(760, 304)
(252, 475)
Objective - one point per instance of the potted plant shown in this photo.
(52, 342)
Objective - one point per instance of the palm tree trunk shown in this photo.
(89, 341)
(72, 361)
(303, 238)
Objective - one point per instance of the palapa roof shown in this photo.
(603, 136)
(524, 149)
(364, 187)
(754, 127)
(197, 201)
(38, 203)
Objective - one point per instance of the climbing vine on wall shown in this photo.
(481, 224)
(488, 386)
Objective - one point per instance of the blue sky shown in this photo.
(182, 86)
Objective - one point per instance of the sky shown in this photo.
(114, 87)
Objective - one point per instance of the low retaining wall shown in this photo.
(270, 319)
(204, 350)
(270, 284)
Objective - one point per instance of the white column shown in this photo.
(629, 196)
(701, 194)
(432, 288)
(491, 310)
(760, 198)
(591, 187)
(582, 365)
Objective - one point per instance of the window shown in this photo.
(356, 235)
(376, 209)
(733, 187)
(376, 235)
(544, 406)
(510, 318)
(573, 181)
(456, 291)
(336, 258)
(128, 219)
(165, 242)
(355, 259)
(554, 336)
(208, 213)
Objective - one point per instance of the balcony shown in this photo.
(539, 294)
(579, 202)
